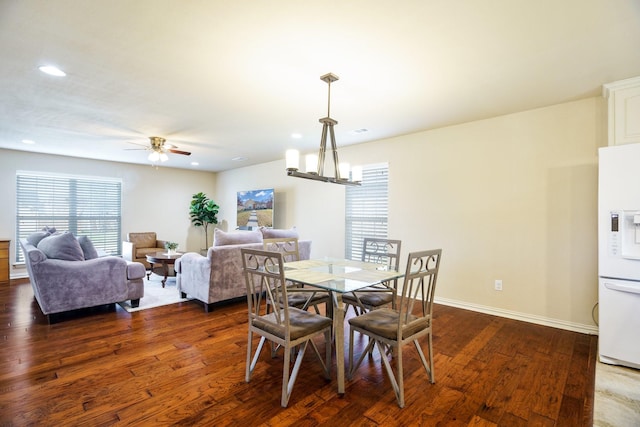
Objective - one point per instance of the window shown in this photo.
(367, 209)
(85, 206)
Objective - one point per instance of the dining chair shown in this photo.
(299, 296)
(410, 321)
(289, 327)
(381, 251)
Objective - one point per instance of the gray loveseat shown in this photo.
(64, 279)
(218, 276)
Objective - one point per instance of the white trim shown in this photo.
(525, 317)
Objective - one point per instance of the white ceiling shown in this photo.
(227, 79)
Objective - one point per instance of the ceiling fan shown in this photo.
(159, 149)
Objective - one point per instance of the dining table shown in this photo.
(338, 276)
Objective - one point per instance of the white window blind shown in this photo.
(367, 209)
(85, 206)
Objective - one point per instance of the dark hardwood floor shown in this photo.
(179, 365)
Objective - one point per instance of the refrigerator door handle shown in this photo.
(622, 288)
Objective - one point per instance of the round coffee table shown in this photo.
(164, 259)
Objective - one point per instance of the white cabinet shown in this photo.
(623, 111)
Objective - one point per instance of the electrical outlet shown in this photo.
(498, 285)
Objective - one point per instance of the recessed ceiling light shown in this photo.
(357, 131)
(52, 70)
(296, 135)
(195, 164)
(239, 159)
(28, 141)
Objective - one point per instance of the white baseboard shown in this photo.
(555, 323)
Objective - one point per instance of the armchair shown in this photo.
(138, 245)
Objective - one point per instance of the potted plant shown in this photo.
(170, 247)
(203, 212)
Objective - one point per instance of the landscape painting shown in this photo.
(255, 209)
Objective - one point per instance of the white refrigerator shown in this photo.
(619, 255)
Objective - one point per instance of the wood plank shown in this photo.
(178, 365)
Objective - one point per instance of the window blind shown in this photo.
(85, 206)
(367, 209)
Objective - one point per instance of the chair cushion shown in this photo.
(143, 252)
(302, 323)
(372, 298)
(143, 240)
(62, 246)
(87, 247)
(384, 322)
(274, 233)
(223, 238)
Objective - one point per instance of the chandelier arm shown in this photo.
(336, 163)
(323, 148)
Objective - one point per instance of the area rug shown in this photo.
(155, 295)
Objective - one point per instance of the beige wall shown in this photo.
(152, 199)
(511, 198)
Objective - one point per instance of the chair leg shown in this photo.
(248, 370)
(400, 377)
(397, 384)
(350, 371)
(288, 380)
(354, 367)
(428, 367)
(326, 366)
(328, 350)
(284, 400)
(251, 364)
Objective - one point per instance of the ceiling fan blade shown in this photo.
(185, 153)
(138, 144)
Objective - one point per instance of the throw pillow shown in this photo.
(62, 246)
(34, 238)
(223, 238)
(87, 247)
(274, 233)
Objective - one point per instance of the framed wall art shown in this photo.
(255, 209)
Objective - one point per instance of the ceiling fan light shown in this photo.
(154, 156)
(164, 157)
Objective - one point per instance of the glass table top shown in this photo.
(339, 275)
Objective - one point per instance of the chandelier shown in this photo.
(314, 165)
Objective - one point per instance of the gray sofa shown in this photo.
(218, 276)
(64, 280)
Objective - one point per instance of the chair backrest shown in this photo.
(419, 287)
(264, 277)
(142, 239)
(287, 246)
(382, 251)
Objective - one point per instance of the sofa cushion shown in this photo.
(223, 238)
(62, 246)
(34, 238)
(89, 251)
(274, 233)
